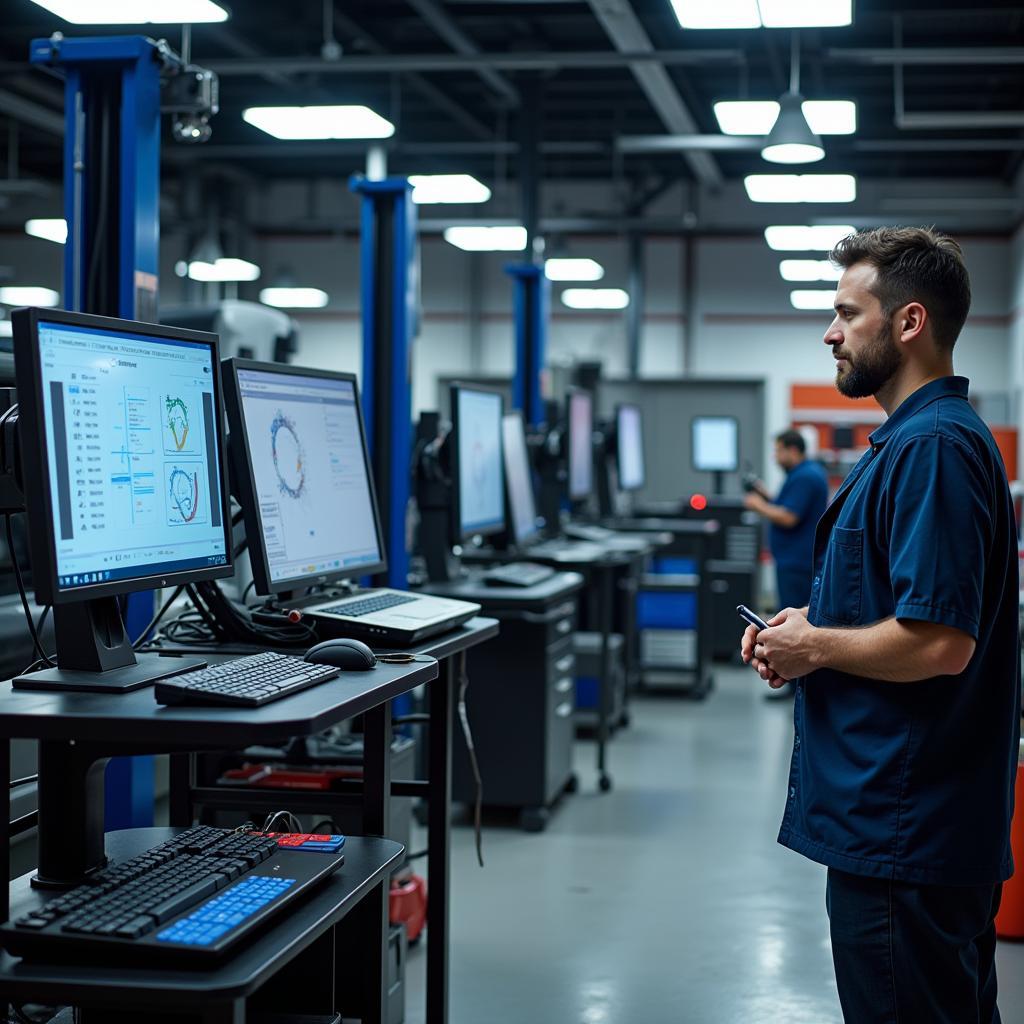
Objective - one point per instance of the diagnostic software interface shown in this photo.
(309, 474)
(132, 452)
(517, 472)
(481, 479)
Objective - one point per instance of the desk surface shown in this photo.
(471, 587)
(135, 722)
(367, 861)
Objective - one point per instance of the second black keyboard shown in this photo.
(246, 682)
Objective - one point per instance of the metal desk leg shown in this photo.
(182, 779)
(5, 802)
(604, 690)
(442, 701)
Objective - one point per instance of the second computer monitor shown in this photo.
(629, 447)
(519, 479)
(303, 475)
(715, 444)
(581, 453)
(478, 472)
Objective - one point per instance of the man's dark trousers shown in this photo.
(913, 954)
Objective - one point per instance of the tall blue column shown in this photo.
(389, 265)
(111, 259)
(530, 302)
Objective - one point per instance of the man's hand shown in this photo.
(789, 647)
(747, 643)
(754, 502)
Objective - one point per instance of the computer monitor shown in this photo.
(581, 452)
(478, 475)
(629, 447)
(303, 476)
(518, 479)
(715, 446)
(124, 473)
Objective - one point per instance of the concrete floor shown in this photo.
(666, 901)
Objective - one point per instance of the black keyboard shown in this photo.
(246, 682)
(518, 574)
(195, 895)
(368, 605)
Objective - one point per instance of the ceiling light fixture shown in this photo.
(595, 298)
(53, 229)
(809, 270)
(756, 117)
(565, 269)
(323, 122)
(791, 140)
(801, 188)
(812, 298)
(700, 14)
(227, 268)
(135, 12)
(294, 298)
(22, 295)
(487, 238)
(806, 238)
(448, 188)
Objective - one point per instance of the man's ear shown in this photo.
(910, 321)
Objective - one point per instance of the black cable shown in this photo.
(21, 590)
(155, 621)
(467, 733)
(101, 209)
(42, 619)
(249, 586)
(330, 823)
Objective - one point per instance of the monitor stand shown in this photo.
(94, 654)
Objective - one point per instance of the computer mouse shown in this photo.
(344, 653)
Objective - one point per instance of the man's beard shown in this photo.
(875, 366)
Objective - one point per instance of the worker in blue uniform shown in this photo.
(908, 707)
(792, 517)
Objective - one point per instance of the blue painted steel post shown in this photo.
(389, 264)
(530, 301)
(111, 259)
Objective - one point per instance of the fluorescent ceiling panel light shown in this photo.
(756, 117)
(809, 270)
(595, 298)
(448, 188)
(17, 295)
(326, 122)
(53, 229)
(561, 269)
(478, 238)
(806, 238)
(812, 298)
(135, 12)
(294, 298)
(831, 117)
(720, 14)
(801, 188)
(227, 268)
(805, 13)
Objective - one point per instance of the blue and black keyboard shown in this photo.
(194, 896)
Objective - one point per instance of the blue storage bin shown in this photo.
(673, 565)
(665, 610)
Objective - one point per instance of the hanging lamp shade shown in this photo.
(791, 140)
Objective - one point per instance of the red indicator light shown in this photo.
(698, 503)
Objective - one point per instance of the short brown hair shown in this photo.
(914, 265)
(792, 439)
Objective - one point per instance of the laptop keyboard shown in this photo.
(368, 605)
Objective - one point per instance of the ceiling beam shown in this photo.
(623, 27)
(443, 24)
(921, 55)
(31, 113)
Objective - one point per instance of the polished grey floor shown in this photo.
(666, 901)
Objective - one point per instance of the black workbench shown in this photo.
(78, 731)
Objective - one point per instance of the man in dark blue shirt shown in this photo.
(792, 517)
(908, 710)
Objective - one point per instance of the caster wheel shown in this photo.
(605, 784)
(533, 819)
(573, 784)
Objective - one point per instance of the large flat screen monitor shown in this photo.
(303, 475)
(581, 451)
(478, 472)
(629, 447)
(715, 447)
(518, 478)
(125, 481)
